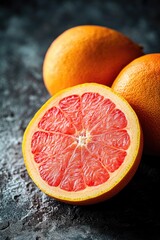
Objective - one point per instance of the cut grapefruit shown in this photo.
(83, 145)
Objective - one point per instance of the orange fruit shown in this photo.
(83, 145)
(139, 84)
(87, 54)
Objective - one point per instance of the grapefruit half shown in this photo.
(83, 145)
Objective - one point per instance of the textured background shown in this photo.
(26, 30)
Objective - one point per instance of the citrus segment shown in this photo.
(55, 120)
(116, 139)
(82, 139)
(71, 108)
(95, 109)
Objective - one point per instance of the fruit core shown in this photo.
(83, 139)
(80, 142)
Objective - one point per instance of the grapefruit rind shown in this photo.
(118, 179)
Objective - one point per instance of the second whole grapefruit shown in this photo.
(139, 84)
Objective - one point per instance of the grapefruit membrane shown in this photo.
(83, 145)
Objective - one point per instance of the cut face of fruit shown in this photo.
(83, 145)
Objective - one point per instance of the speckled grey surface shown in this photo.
(26, 30)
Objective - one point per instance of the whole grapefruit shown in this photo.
(87, 53)
(139, 84)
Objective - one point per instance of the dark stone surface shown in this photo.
(26, 30)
